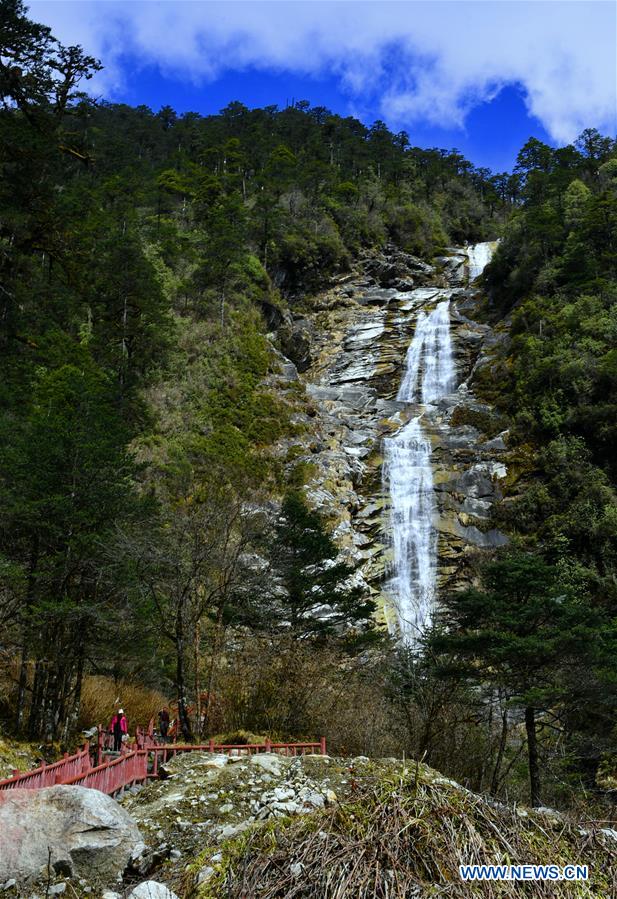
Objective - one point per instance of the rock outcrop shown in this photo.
(360, 333)
(65, 831)
(344, 824)
(210, 798)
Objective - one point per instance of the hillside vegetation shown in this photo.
(150, 268)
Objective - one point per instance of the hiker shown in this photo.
(118, 727)
(164, 723)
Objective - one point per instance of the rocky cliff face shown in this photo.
(351, 351)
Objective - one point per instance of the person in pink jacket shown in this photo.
(118, 727)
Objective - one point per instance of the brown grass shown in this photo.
(101, 696)
(405, 836)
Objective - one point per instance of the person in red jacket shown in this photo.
(118, 727)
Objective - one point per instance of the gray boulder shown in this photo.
(151, 889)
(295, 339)
(78, 831)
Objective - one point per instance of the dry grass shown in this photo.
(405, 836)
(98, 702)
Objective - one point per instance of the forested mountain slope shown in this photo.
(153, 272)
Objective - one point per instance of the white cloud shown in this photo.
(423, 60)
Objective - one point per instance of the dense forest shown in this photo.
(152, 540)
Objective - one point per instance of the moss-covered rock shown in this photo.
(399, 830)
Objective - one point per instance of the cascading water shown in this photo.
(430, 356)
(407, 470)
(429, 376)
(479, 255)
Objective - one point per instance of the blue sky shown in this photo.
(479, 75)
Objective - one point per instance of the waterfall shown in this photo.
(407, 470)
(429, 375)
(430, 356)
(479, 257)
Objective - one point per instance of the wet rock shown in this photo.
(496, 444)
(404, 285)
(376, 296)
(454, 268)
(395, 267)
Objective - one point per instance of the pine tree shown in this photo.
(319, 598)
(517, 635)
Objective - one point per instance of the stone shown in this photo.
(216, 761)
(289, 371)
(205, 874)
(295, 339)
(84, 831)
(267, 762)
(231, 830)
(152, 889)
(314, 800)
(110, 894)
(57, 889)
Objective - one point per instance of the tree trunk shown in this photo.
(213, 659)
(26, 636)
(197, 687)
(21, 688)
(500, 752)
(38, 689)
(532, 752)
(183, 718)
(79, 677)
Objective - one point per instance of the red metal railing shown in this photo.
(49, 775)
(289, 749)
(136, 763)
(164, 751)
(110, 777)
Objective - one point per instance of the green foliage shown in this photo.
(139, 253)
(554, 274)
(304, 558)
(524, 634)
